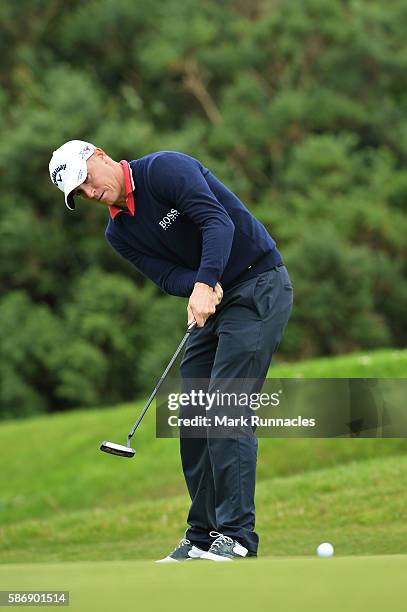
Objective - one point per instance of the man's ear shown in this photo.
(99, 153)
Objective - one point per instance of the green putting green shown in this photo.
(339, 584)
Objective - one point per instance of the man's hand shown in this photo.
(202, 303)
(219, 292)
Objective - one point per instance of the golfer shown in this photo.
(182, 228)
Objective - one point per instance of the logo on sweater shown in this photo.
(169, 218)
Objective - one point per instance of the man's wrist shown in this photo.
(207, 276)
(203, 285)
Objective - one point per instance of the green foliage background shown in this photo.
(299, 106)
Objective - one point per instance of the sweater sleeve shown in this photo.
(169, 277)
(178, 179)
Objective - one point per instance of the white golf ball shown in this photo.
(325, 550)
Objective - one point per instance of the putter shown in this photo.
(127, 450)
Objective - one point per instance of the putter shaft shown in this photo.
(158, 385)
(127, 451)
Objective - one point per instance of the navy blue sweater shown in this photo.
(188, 227)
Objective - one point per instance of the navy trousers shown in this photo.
(237, 342)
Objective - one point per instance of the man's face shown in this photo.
(103, 183)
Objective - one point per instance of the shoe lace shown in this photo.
(182, 543)
(220, 539)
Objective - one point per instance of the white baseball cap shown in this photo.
(68, 168)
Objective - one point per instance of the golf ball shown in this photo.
(325, 550)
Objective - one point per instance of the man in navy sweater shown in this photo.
(189, 234)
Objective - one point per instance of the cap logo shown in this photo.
(56, 178)
(86, 149)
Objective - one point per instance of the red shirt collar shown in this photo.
(130, 204)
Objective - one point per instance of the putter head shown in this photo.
(117, 449)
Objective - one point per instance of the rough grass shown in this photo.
(389, 363)
(62, 499)
(360, 507)
(53, 464)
